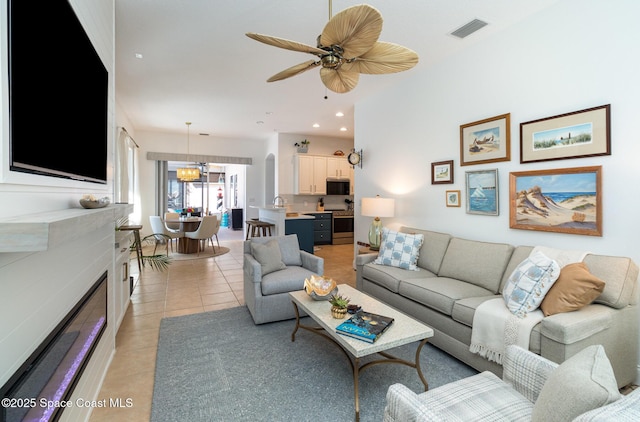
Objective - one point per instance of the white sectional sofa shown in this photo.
(456, 275)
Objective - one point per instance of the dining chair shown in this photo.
(171, 216)
(215, 232)
(160, 230)
(205, 231)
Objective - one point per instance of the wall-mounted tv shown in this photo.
(58, 94)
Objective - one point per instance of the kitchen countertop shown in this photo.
(301, 217)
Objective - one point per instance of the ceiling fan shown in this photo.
(347, 46)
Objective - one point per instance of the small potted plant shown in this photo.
(303, 146)
(339, 306)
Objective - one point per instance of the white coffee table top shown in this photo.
(404, 329)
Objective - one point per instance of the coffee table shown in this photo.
(404, 330)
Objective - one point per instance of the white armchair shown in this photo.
(532, 389)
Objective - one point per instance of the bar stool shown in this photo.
(254, 227)
(138, 243)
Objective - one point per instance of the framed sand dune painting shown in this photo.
(567, 200)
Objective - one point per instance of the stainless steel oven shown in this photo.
(342, 227)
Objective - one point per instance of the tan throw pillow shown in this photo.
(575, 288)
(268, 255)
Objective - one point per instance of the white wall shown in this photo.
(574, 55)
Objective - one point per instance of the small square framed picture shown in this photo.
(453, 198)
(442, 172)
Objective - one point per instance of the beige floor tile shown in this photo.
(187, 287)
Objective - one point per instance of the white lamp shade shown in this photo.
(378, 207)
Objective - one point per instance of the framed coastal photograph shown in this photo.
(442, 172)
(482, 192)
(565, 200)
(584, 133)
(453, 198)
(486, 141)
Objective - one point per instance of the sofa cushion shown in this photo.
(464, 309)
(399, 249)
(575, 288)
(284, 281)
(581, 383)
(520, 253)
(627, 409)
(529, 283)
(268, 255)
(481, 397)
(439, 293)
(389, 277)
(479, 263)
(619, 274)
(433, 248)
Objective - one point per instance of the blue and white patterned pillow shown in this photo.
(529, 283)
(399, 249)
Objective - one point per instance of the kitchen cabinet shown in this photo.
(303, 227)
(339, 167)
(310, 175)
(322, 228)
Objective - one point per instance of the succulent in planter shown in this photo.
(339, 305)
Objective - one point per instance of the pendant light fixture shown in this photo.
(188, 174)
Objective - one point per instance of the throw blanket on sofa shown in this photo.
(495, 327)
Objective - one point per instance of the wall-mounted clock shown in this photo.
(355, 158)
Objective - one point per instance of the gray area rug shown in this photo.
(220, 366)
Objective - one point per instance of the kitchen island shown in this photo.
(290, 223)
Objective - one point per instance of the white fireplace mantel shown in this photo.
(42, 231)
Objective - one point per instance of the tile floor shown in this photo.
(187, 287)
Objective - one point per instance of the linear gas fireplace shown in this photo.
(40, 390)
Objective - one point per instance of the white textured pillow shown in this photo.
(399, 249)
(529, 283)
(581, 383)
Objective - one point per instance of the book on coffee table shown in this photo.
(365, 326)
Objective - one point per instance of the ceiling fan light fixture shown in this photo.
(347, 46)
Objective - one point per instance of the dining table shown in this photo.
(186, 224)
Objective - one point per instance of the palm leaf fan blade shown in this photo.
(283, 43)
(293, 70)
(355, 29)
(384, 57)
(339, 81)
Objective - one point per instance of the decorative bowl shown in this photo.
(320, 287)
(98, 203)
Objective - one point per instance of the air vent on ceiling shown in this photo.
(469, 28)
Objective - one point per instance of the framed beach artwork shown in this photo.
(584, 133)
(486, 141)
(442, 172)
(453, 198)
(482, 192)
(565, 200)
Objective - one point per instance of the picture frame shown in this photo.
(579, 134)
(565, 200)
(486, 141)
(442, 172)
(482, 195)
(452, 198)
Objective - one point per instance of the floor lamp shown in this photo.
(377, 207)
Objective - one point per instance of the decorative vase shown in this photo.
(303, 150)
(338, 313)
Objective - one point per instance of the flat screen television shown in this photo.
(58, 94)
